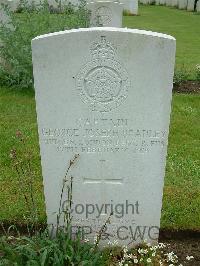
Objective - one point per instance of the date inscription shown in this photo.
(103, 135)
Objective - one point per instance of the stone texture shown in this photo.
(105, 94)
(105, 14)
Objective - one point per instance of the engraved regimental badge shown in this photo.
(103, 83)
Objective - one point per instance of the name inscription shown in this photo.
(104, 135)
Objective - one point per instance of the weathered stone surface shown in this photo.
(105, 94)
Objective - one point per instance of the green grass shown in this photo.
(181, 204)
(183, 25)
(17, 113)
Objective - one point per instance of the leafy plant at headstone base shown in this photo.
(21, 28)
(62, 250)
(42, 250)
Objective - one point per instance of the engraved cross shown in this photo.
(103, 180)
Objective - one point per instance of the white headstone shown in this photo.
(4, 15)
(162, 2)
(14, 4)
(105, 94)
(198, 6)
(190, 5)
(175, 3)
(105, 14)
(182, 4)
(144, 2)
(131, 6)
(168, 2)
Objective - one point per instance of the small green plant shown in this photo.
(42, 250)
(182, 74)
(198, 72)
(67, 184)
(21, 28)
